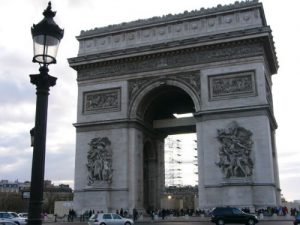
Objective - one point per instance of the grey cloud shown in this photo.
(18, 159)
(16, 144)
(79, 3)
(12, 91)
(60, 165)
(290, 169)
(290, 188)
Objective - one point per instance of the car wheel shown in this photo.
(250, 222)
(127, 223)
(102, 224)
(220, 222)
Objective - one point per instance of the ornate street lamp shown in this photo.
(46, 38)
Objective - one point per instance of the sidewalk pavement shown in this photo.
(50, 219)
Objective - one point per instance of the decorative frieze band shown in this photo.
(171, 60)
(232, 85)
(102, 101)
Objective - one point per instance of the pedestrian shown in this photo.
(135, 214)
(163, 213)
(152, 216)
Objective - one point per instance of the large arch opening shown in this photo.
(168, 111)
(160, 107)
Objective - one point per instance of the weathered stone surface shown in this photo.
(172, 27)
(218, 64)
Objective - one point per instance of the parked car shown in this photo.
(109, 219)
(297, 219)
(223, 215)
(6, 222)
(13, 217)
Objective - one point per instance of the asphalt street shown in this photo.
(272, 222)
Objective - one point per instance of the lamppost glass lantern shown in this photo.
(46, 38)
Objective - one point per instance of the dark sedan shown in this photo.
(223, 215)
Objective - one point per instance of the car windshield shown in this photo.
(14, 214)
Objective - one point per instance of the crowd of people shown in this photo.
(269, 211)
(124, 213)
(165, 213)
(279, 211)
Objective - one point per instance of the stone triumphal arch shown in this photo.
(215, 63)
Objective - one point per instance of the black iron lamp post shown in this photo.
(46, 38)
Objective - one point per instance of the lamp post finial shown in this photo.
(48, 11)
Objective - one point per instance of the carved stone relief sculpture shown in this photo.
(99, 160)
(235, 151)
(232, 85)
(103, 100)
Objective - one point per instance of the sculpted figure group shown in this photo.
(99, 159)
(235, 152)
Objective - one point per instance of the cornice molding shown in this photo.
(174, 59)
(117, 124)
(155, 21)
(128, 60)
(215, 114)
(137, 51)
(252, 184)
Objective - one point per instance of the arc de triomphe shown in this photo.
(215, 63)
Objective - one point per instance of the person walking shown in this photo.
(135, 214)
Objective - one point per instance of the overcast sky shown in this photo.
(17, 94)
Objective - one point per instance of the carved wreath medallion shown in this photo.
(235, 151)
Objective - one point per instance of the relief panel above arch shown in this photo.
(106, 100)
(233, 86)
